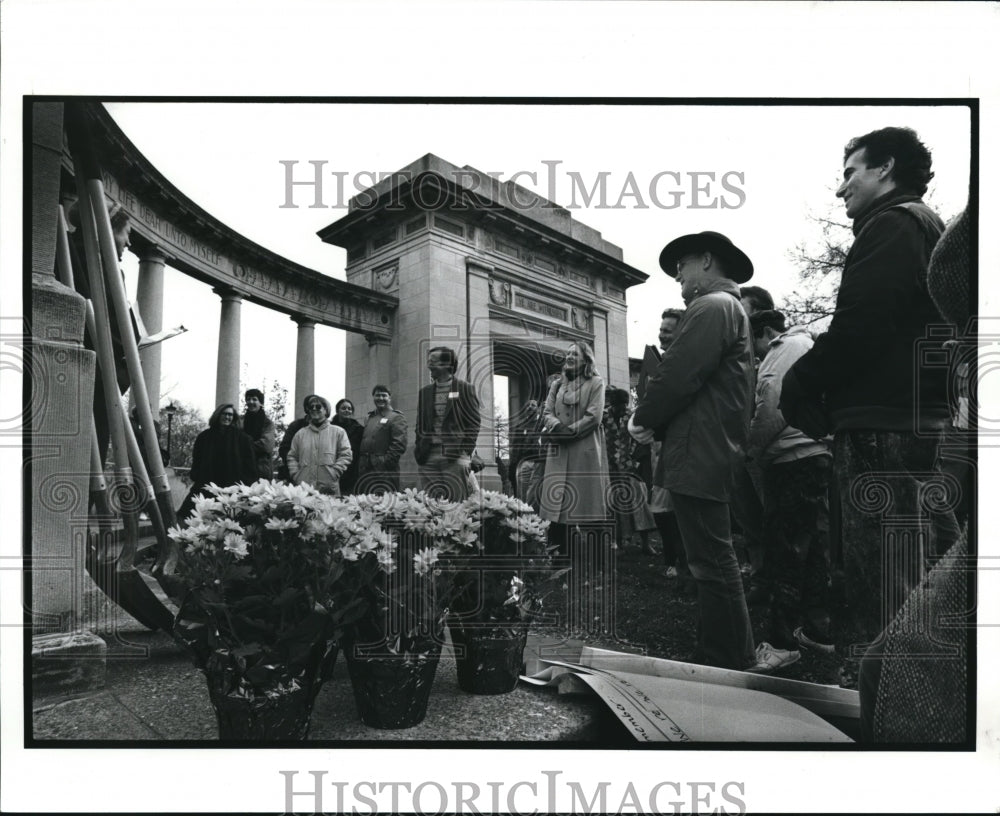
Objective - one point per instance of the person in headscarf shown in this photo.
(223, 455)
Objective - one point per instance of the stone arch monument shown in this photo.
(499, 273)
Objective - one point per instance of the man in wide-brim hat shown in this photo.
(699, 403)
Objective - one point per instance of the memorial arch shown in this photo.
(492, 269)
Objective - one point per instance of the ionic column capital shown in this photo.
(303, 322)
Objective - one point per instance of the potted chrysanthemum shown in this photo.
(499, 591)
(392, 653)
(271, 575)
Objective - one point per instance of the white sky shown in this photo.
(582, 49)
(226, 158)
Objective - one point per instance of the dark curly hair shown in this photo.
(912, 170)
(768, 319)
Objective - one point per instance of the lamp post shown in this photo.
(170, 410)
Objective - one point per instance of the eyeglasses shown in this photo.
(229, 414)
(316, 407)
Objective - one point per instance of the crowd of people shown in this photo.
(744, 419)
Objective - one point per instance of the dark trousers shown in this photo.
(895, 518)
(747, 509)
(797, 527)
(670, 535)
(725, 637)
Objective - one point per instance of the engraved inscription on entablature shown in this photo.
(523, 301)
(275, 286)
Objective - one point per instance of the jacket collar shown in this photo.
(720, 285)
(881, 204)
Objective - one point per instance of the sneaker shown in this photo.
(671, 572)
(804, 640)
(770, 659)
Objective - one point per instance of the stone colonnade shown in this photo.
(149, 298)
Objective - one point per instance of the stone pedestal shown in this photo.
(58, 424)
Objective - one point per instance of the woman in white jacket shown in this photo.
(320, 452)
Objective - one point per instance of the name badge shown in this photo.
(383, 420)
(453, 395)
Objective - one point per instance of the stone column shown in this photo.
(305, 361)
(149, 299)
(227, 371)
(478, 364)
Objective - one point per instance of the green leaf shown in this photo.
(287, 596)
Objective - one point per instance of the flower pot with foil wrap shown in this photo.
(497, 592)
(392, 681)
(267, 597)
(392, 652)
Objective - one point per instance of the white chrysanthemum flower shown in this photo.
(237, 545)
(181, 534)
(348, 553)
(231, 525)
(206, 505)
(424, 561)
(281, 524)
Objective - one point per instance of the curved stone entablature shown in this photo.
(199, 245)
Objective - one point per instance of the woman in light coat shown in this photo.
(320, 451)
(575, 486)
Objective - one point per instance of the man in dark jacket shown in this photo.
(699, 402)
(448, 420)
(868, 381)
(526, 452)
(259, 427)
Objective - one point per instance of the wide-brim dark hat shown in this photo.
(737, 264)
